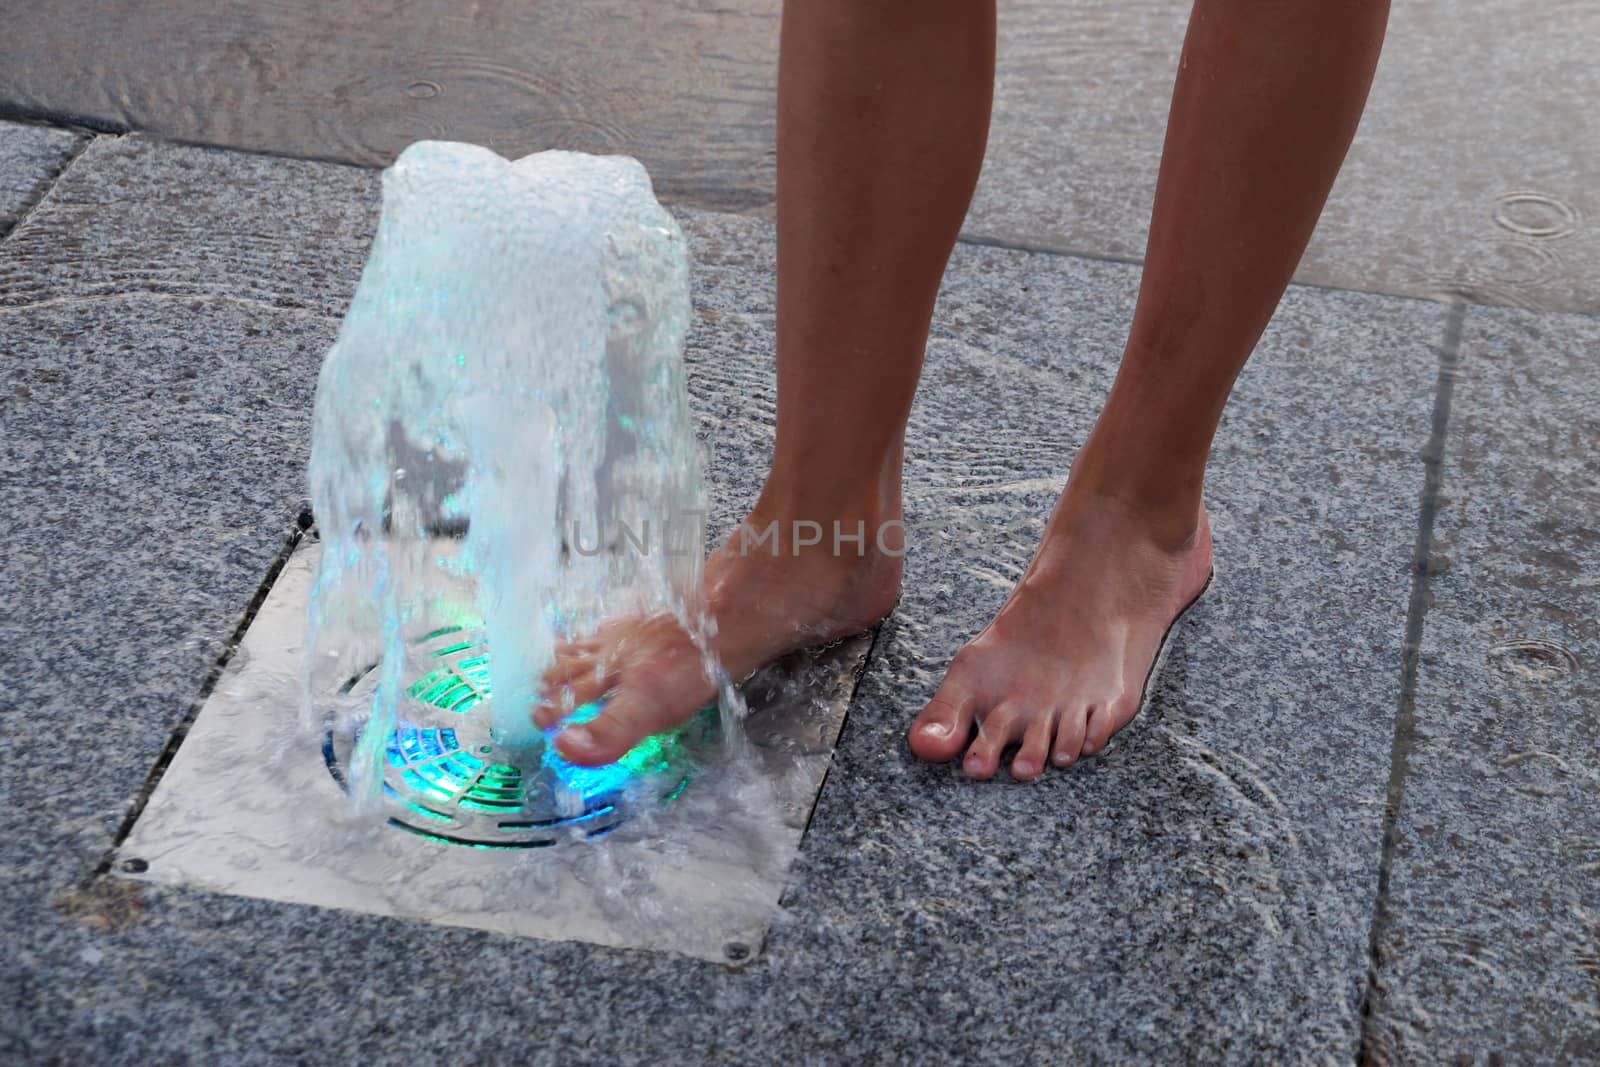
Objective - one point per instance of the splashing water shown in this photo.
(502, 454)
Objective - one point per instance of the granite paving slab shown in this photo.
(1201, 890)
(1473, 174)
(1492, 947)
(30, 158)
(139, 218)
(685, 85)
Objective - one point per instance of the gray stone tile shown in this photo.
(153, 464)
(1493, 946)
(1203, 889)
(687, 86)
(1477, 140)
(137, 216)
(156, 413)
(1475, 102)
(30, 159)
(1211, 875)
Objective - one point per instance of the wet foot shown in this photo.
(766, 599)
(1062, 666)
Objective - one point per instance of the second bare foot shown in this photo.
(1062, 666)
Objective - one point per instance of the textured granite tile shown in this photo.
(1493, 948)
(30, 159)
(150, 477)
(137, 216)
(688, 86)
(1201, 890)
(1474, 171)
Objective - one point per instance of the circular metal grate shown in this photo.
(447, 779)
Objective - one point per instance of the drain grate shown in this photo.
(448, 781)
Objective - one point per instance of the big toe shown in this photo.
(625, 720)
(604, 739)
(939, 732)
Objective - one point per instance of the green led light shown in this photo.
(487, 803)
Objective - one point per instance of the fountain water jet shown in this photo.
(502, 452)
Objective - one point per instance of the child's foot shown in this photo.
(767, 600)
(1062, 666)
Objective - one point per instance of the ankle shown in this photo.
(841, 538)
(1162, 489)
(818, 495)
(1174, 519)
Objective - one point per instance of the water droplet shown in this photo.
(424, 90)
(1530, 657)
(1530, 214)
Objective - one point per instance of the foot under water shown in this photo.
(502, 453)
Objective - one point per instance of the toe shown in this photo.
(573, 690)
(586, 645)
(1105, 719)
(1098, 727)
(944, 725)
(606, 738)
(1069, 735)
(585, 690)
(566, 666)
(999, 728)
(1035, 747)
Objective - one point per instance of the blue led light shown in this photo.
(456, 796)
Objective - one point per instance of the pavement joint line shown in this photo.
(297, 532)
(65, 120)
(1370, 1049)
(849, 702)
(50, 185)
(96, 128)
(1449, 298)
(150, 294)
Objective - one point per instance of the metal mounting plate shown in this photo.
(249, 806)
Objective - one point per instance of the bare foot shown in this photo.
(1062, 666)
(767, 601)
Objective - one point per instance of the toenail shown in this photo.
(936, 729)
(1023, 768)
(1063, 758)
(577, 735)
(974, 763)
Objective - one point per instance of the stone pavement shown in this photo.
(1473, 174)
(1358, 822)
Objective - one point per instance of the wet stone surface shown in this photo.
(1494, 944)
(30, 158)
(1211, 874)
(1203, 889)
(686, 86)
(1473, 173)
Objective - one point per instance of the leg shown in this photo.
(883, 114)
(1268, 96)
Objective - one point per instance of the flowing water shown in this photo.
(502, 455)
